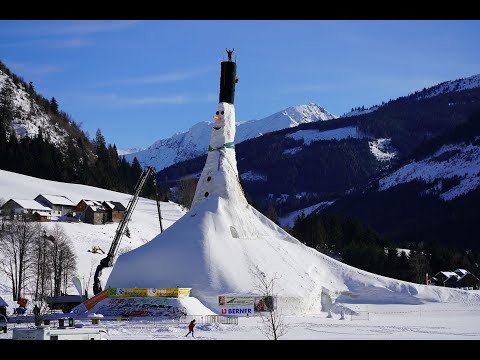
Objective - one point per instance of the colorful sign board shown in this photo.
(236, 300)
(237, 311)
(148, 292)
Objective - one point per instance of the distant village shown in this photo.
(61, 208)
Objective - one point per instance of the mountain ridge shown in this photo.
(193, 142)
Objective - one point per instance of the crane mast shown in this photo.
(108, 260)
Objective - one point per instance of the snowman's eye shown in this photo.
(217, 113)
(223, 112)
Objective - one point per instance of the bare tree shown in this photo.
(17, 249)
(62, 259)
(42, 265)
(419, 266)
(186, 191)
(272, 323)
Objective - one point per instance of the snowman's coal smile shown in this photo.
(217, 128)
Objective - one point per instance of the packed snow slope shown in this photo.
(199, 251)
(143, 225)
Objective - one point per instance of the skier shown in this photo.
(190, 327)
(229, 53)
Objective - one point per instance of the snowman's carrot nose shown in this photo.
(217, 118)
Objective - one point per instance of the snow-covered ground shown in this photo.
(143, 226)
(396, 309)
(459, 161)
(432, 321)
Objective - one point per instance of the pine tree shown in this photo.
(6, 106)
(54, 106)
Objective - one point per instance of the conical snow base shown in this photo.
(215, 248)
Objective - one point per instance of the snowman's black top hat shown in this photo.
(228, 79)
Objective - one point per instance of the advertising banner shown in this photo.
(236, 300)
(148, 292)
(237, 311)
(264, 303)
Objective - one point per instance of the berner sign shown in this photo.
(237, 311)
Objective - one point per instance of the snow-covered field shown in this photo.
(432, 321)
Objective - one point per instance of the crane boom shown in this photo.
(108, 260)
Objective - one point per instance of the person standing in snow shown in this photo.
(190, 327)
(36, 315)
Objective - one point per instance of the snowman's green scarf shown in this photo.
(229, 145)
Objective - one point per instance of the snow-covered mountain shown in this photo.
(450, 86)
(442, 88)
(194, 142)
(451, 171)
(29, 118)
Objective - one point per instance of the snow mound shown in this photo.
(199, 251)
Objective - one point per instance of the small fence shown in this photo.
(209, 319)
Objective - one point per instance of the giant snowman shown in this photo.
(221, 245)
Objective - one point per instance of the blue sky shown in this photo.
(140, 81)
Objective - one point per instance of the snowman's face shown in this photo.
(219, 117)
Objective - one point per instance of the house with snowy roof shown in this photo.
(82, 206)
(18, 207)
(96, 214)
(115, 211)
(60, 205)
(460, 278)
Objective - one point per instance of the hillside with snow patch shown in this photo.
(450, 86)
(458, 162)
(29, 118)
